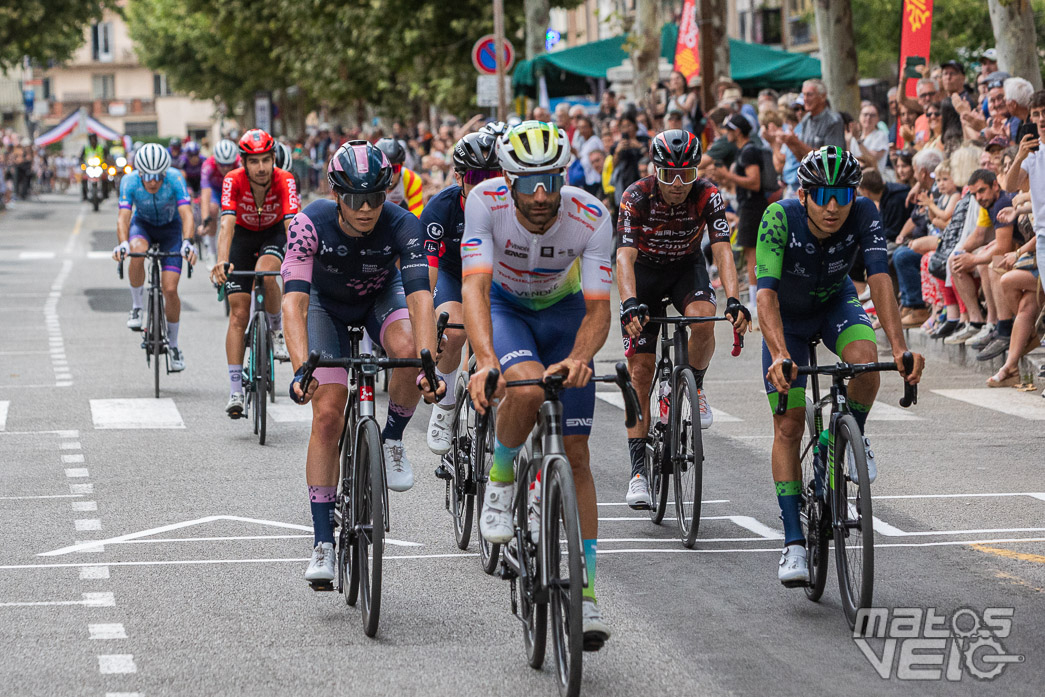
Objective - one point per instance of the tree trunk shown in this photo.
(647, 53)
(834, 27)
(536, 26)
(1015, 39)
(719, 38)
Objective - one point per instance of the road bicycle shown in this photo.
(154, 324)
(546, 567)
(841, 510)
(361, 509)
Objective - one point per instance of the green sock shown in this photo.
(860, 412)
(503, 468)
(589, 561)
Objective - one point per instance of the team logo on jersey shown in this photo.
(435, 231)
(589, 212)
(547, 251)
(471, 245)
(499, 194)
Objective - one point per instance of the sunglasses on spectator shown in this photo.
(396, 169)
(681, 175)
(995, 84)
(823, 195)
(931, 114)
(477, 176)
(152, 177)
(528, 184)
(356, 201)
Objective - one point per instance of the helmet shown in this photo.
(476, 151)
(533, 146)
(393, 150)
(225, 152)
(359, 167)
(282, 156)
(495, 128)
(256, 142)
(137, 145)
(191, 148)
(174, 142)
(675, 148)
(152, 159)
(829, 166)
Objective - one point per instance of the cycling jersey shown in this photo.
(159, 208)
(808, 273)
(210, 175)
(443, 225)
(408, 193)
(537, 271)
(664, 234)
(192, 172)
(237, 198)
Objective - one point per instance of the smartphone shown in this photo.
(1027, 129)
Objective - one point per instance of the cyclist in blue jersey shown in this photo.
(339, 272)
(154, 209)
(475, 161)
(805, 250)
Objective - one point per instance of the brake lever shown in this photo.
(781, 404)
(428, 367)
(910, 392)
(632, 412)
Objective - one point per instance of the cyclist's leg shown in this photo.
(270, 258)
(388, 323)
(641, 351)
(139, 243)
(846, 330)
(448, 299)
(693, 296)
(169, 237)
(242, 258)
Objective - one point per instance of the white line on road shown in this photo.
(670, 503)
(117, 663)
(888, 412)
(123, 694)
(81, 489)
(93, 573)
(3, 414)
(76, 472)
(72, 459)
(1036, 495)
(107, 631)
(883, 528)
(70, 445)
(84, 505)
(289, 413)
(32, 256)
(1025, 405)
(93, 254)
(89, 600)
(617, 400)
(85, 524)
(48, 496)
(744, 521)
(135, 413)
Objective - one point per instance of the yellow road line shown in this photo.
(1021, 556)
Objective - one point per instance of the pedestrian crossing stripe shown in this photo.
(880, 412)
(289, 413)
(135, 414)
(3, 414)
(1025, 405)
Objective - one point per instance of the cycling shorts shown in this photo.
(840, 323)
(546, 336)
(682, 282)
(247, 246)
(447, 289)
(168, 237)
(328, 326)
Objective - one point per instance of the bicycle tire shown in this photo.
(489, 552)
(854, 538)
(345, 507)
(813, 518)
(462, 503)
(157, 339)
(262, 381)
(534, 615)
(564, 595)
(657, 480)
(687, 448)
(368, 472)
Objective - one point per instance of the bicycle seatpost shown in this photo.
(781, 405)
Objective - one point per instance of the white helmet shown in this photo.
(533, 146)
(152, 158)
(283, 156)
(226, 152)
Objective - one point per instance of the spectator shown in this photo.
(871, 146)
(607, 105)
(593, 159)
(894, 112)
(989, 61)
(957, 99)
(626, 157)
(820, 126)
(934, 138)
(891, 200)
(1028, 172)
(722, 151)
(909, 114)
(1017, 99)
(928, 93)
(903, 165)
(679, 98)
(767, 100)
(772, 130)
(674, 119)
(539, 113)
(562, 119)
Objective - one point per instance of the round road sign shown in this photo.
(484, 54)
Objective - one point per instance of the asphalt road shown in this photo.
(194, 585)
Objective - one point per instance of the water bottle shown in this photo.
(665, 401)
(820, 463)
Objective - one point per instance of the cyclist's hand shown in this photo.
(188, 250)
(578, 373)
(738, 314)
(777, 378)
(121, 250)
(217, 273)
(477, 388)
(426, 389)
(631, 317)
(919, 365)
(297, 393)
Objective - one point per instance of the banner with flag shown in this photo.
(687, 54)
(915, 38)
(70, 124)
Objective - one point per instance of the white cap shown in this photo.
(990, 54)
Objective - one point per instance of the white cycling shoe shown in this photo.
(495, 520)
(638, 496)
(177, 360)
(872, 466)
(439, 424)
(594, 628)
(793, 569)
(398, 472)
(234, 407)
(321, 565)
(134, 319)
(706, 416)
(279, 346)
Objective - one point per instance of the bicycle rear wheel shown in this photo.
(656, 476)
(262, 380)
(813, 513)
(157, 333)
(687, 449)
(370, 522)
(482, 459)
(462, 501)
(533, 614)
(853, 529)
(565, 574)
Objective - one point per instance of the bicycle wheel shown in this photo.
(853, 528)
(462, 501)
(562, 535)
(687, 460)
(261, 356)
(815, 525)
(343, 516)
(369, 507)
(482, 459)
(534, 614)
(656, 476)
(157, 338)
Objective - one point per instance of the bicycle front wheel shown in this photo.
(687, 456)
(262, 381)
(157, 332)
(813, 513)
(853, 522)
(561, 545)
(461, 487)
(656, 475)
(370, 522)
(482, 459)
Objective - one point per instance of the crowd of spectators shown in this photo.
(27, 170)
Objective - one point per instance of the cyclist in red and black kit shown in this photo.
(258, 202)
(661, 223)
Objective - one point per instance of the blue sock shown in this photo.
(398, 418)
(589, 562)
(321, 501)
(503, 467)
(787, 495)
(860, 412)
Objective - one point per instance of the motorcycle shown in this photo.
(94, 170)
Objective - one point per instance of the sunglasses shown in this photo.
(478, 176)
(152, 177)
(356, 201)
(528, 184)
(823, 195)
(931, 114)
(670, 175)
(396, 169)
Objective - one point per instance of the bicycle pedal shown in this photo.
(640, 506)
(443, 473)
(321, 586)
(795, 584)
(593, 642)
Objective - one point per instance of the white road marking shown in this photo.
(1036, 495)
(123, 694)
(93, 572)
(99, 255)
(670, 503)
(72, 459)
(32, 256)
(883, 528)
(89, 600)
(135, 413)
(84, 505)
(117, 663)
(107, 631)
(744, 521)
(85, 524)
(3, 414)
(62, 377)
(81, 489)
(617, 400)
(48, 496)
(887, 412)
(69, 445)
(289, 413)
(76, 472)
(1025, 405)
(675, 539)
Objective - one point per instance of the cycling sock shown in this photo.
(860, 412)
(275, 320)
(787, 495)
(137, 295)
(752, 292)
(699, 375)
(637, 448)
(503, 467)
(321, 501)
(235, 379)
(1005, 328)
(450, 379)
(208, 244)
(589, 561)
(172, 333)
(398, 418)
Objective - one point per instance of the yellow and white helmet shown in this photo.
(533, 146)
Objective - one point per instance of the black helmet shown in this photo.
(495, 128)
(829, 166)
(174, 142)
(393, 150)
(359, 168)
(476, 151)
(675, 148)
(283, 157)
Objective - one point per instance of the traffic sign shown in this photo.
(484, 55)
(486, 89)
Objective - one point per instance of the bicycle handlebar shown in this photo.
(441, 325)
(425, 363)
(150, 255)
(553, 385)
(851, 370)
(738, 338)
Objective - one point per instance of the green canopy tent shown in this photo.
(570, 71)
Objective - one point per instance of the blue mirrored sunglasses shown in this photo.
(843, 194)
(152, 177)
(528, 184)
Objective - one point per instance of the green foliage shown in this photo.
(44, 30)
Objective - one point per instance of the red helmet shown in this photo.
(256, 142)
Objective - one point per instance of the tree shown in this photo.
(44, 30)
(1013, 23)
(834, 27)
(536, 26)
(646, 56)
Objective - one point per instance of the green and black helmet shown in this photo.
(829, 166)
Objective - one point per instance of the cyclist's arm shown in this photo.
(123, 225)
(413, 267)
(721, 251)
(634, 208)
(184, 200)
(626, 257)
(188, 223)
(593, 331)
(769, 261)
(297, 284)
(476, 279)
(433, 236)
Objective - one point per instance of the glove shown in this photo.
(187, 247)
(629, 310)
(735, 308)
(298, 379)
(121, 250)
